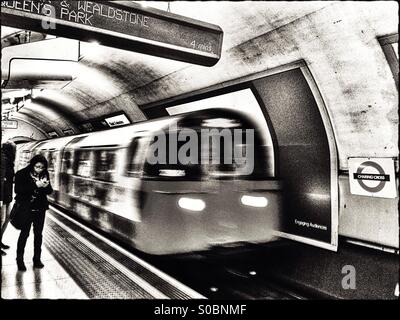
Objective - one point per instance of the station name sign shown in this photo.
(118, 120)
(9, 124)
(120, 24)
(372, 177)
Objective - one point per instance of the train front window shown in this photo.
(224, 162)
(244, 102)
(201, 153)
(173, 161)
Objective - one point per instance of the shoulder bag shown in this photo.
(19, 215)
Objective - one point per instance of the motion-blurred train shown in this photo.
(167, 207)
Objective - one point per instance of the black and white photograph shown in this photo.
(199, 158)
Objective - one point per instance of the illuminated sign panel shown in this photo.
(118, 120)
(68, 132)
(52, 134)
(9, 124)
(120, 24)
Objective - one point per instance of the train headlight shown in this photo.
(192, 204)
(259, 202)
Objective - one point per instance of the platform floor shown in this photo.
(51, 282)
(81, 264)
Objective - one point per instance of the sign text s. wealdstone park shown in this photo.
(120, 24)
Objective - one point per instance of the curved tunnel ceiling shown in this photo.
(110, 80)
(33, 119)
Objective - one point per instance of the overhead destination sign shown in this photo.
(372, 177)
(120, 24)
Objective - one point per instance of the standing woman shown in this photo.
(32, 185)
(7, 178)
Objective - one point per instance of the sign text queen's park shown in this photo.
(120, 24)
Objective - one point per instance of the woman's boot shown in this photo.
(37, 263)
(21, 264)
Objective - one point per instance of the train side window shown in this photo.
(83, 163)
(134, 158)
(51, 158)
(35, 149)
(68, 166)
(25, 158)
(67, 162)
(105, 165)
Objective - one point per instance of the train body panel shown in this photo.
(208, 214)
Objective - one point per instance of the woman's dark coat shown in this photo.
(7, 173)
(25, 188)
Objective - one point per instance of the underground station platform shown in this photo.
(81, 264)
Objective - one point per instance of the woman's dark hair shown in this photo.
(36, 159)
